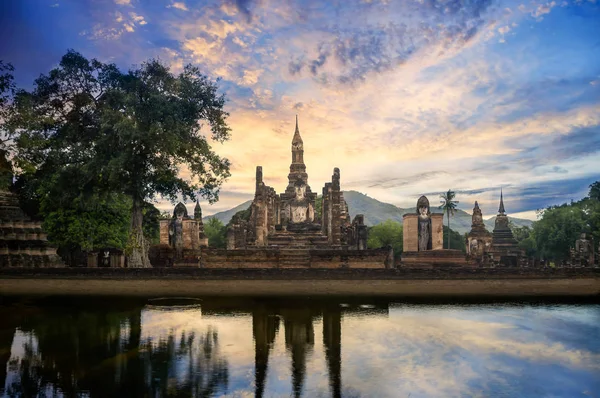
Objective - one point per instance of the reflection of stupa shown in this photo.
(332, 341)
(299, 340)
(264, 330)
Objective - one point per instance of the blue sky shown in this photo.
(405, 97)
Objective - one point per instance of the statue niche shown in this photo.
(424, 224)
(584, 252)
(176, 229)
(299, 206)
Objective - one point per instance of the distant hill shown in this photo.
(225, 216)
(376, 212)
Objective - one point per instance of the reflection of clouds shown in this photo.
(444, 351)
(418, 350)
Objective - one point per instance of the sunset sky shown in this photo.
(406, 97)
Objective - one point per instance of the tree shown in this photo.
(449, 207)
(216, 233)
(455, 240)
(387, 233)
(7, 89)
(595, 191)
(93, 128)
(558, 229)
(525, 238)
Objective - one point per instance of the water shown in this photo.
(248, 347)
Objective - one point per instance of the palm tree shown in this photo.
(449, 207)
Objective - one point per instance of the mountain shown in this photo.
(376, 212)
(225, 216)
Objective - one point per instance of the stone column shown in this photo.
(410, 233)
(437, 231)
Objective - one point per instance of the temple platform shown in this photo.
(294, 240)
(434, 259)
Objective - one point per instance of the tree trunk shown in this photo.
(138, 257)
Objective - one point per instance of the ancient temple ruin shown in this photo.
(183, 233)
(290, 221)
(504, 250)
(479, 239)
(23, 242)
(423, 239)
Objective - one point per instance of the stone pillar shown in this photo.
(437, 231)
(336, 208)
(231, 238)
(410, 233)
(360, 230)
(164, 232)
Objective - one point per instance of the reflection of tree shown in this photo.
(191, 367)
(75, 351)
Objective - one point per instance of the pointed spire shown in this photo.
(197, 210)
(297, 138)
(501, 208)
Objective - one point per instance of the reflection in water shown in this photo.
(217, 347)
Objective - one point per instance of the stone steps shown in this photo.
(289, 258)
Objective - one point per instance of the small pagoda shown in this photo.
(505, 248)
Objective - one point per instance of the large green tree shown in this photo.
(387, 233)
(449, 207)
(90, 127)
(558, 229)
(216, 233)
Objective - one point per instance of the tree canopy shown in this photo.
(387, 233)
(89, 128)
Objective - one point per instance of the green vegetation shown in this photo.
(553, 235)
(216, 233)
(87, 132)
(449, 207)
(455, 240)
(319, 208)
(242, 215)
(387, 233)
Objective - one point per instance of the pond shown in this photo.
(109, 347)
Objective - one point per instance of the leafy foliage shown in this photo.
(91, 224)
(319, 208)
(457, 241)
(216, 233)
(242, 215)
(558, 227)
(387, 233)
(89, 128)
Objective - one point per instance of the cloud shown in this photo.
(543, 9)
(123, 2)
(113, 29)
(179, 6)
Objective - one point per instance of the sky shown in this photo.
(406, 97)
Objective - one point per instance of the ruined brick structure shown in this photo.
(423, 240)
(479, 239)
(504, 250)
(182, 232)
(23, 242)
(289, 221)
